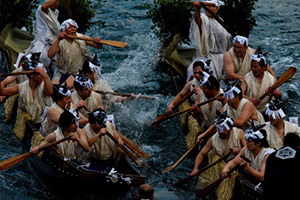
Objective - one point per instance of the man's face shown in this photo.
(207, 92)
(55, 5)
(257, 70)
(224, 134)
(73, 126)
(37, 78)
(71, 30)
(85, 93)
(214, 9)
(91, 76)
(273, 121)
(197, 73)
(239, 49)
(66, 101)
(233, 101)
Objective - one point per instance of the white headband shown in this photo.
(216, 2)
(241, 39)
(75, 114)
(220, 127)
(204, 79)
(67, 93)
(258, 58)
(229, 94)
(87, 84)
(96, 68)
(67, 23)
(276, 114)
(249, 133)
(19, 59)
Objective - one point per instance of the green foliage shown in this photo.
(18, 12)
(170, 17)
(237, 14)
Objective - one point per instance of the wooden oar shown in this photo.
(282, 79)
(15, 160)
(183, 111)
(133, 147)
(107, 42)
(18, 73)
(183, 181)
(209, 132)
(160, 118)
(212, 186)
(122, 94)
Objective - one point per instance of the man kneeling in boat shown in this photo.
(83, 91)
(34, 93)
(277, 127)
(68, 126)
(71, 52)
(191, 86)
(217, 146)
(103, 148)
(62, 100)
(257, 151)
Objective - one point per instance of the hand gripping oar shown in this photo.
(183, 181)
(187, 153)
(18, 73)
(107, 42)
(183, 111)
(213, 185)
(133, 147)
(122, 94)
(15, 160)
(161, 118)
(282, 79)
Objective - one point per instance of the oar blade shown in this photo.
(114, 43)
(168, 169)
(15, 160)
(158, 121)
(208, 189)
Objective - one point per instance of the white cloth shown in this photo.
(231, 112)
(222, 147)
(256, 90)
(71, 56)
(242, 67)
(104, 147)
(91, 102)
(197, 85)
(208, 111)
(46, 29)
(67, 148)
(257, 161)
(212, 43)
(272, 136)
(33, 105)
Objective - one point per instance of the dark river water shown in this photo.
(137, 69)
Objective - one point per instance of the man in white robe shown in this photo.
(277, 127)
(71, 52)
(257, 82)
(209, 37)
(46, 29)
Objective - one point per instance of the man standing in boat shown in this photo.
(257, 82)
(257, 151)
(209, 37)
(103, 149)
(83, 91)
(277, 127)
(68, 126)
(46, 29)
(71, 52)
(217, 146)
(34, 94)
(237, 59)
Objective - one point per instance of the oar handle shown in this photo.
(107, 42)
(55, 143)
(18, 73)
(183, 181)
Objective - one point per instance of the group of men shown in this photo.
(59, 93)
(252, 125)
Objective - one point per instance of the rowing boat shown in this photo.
(51, 162)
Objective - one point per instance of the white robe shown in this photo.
(242, 67)
(231, 112)
(70, 149)
(272, 136)
(257, 161)
(211, 44)
(256, 90)
(197, 85)
(46, 29)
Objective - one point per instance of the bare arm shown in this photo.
(48, 87)
(95, 43)
(48, 140)
(54, 48)
(229, 67)
(242, 137)
(9, 91)
(116, 135)
(47, 4)
(200, 156)
(245, 115)
(81, 139)
(197, 14)
(231, 164)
